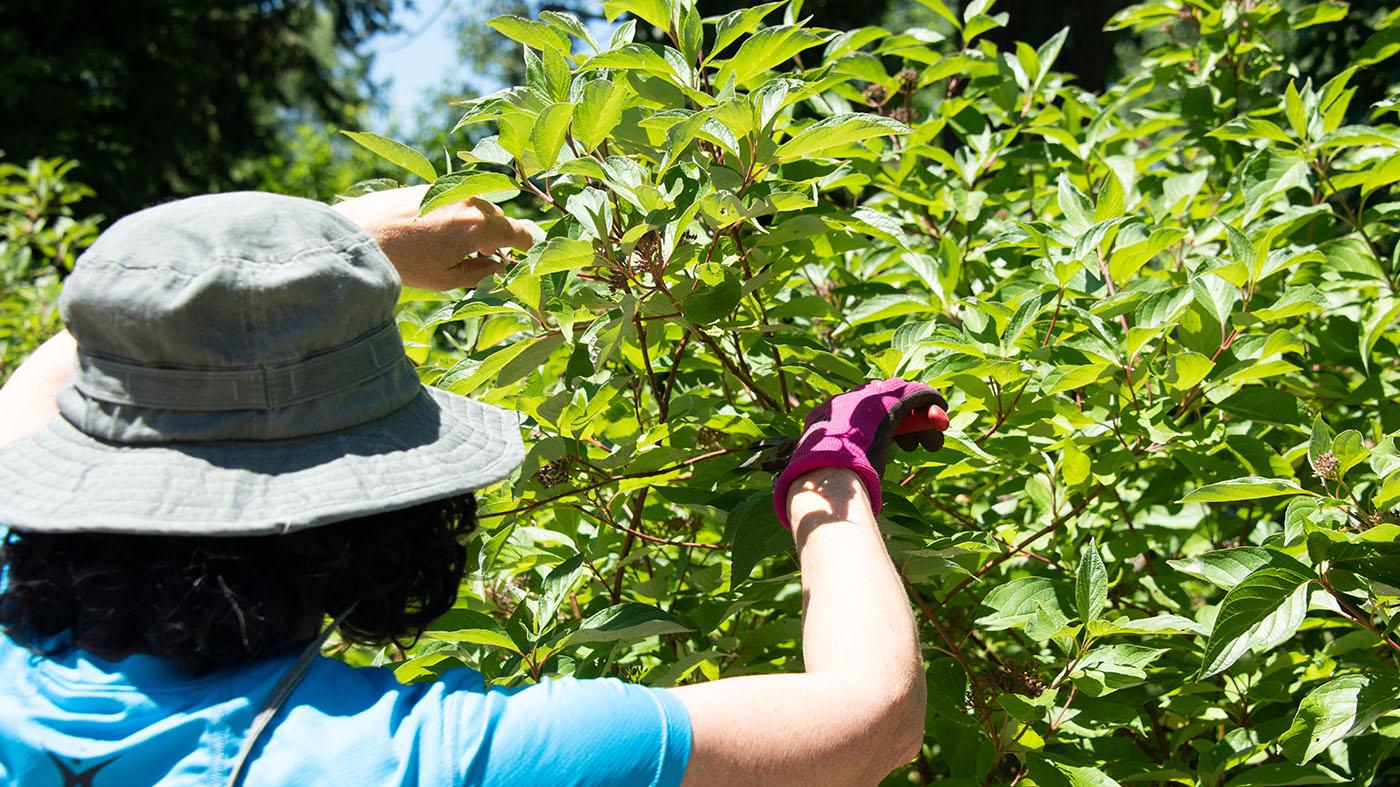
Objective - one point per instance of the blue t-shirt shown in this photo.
(75, 719)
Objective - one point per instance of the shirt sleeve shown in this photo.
(584, 733)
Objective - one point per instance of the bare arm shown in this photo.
(446, 249)
(28, 398)
(858, 711)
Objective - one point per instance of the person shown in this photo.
(228, 445)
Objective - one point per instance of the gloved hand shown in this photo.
(854, 430)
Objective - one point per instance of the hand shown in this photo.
(444, 250)
(856, 429)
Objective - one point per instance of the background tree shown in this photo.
(161, 98)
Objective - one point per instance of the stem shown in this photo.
(1050, 331)
(738, 373)
(1073, 690)
(612, 479)
(646, 359)
(638, 503)
(1003, 557)
(1356, 615)
(1003, 413)
(665, 400)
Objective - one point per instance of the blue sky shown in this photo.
(412, 60)
(424, 52)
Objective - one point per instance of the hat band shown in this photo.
(351, 385)
(250, 388)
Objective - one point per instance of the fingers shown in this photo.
(498, 230)
(521, 233)
(465, 274)
(931, 439)
(472, 270)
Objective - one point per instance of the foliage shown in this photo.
(313, 161)
(163, 98)
(39, 240)
(1160, 545)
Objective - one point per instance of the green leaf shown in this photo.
(627, 622)
(549, 133)
(1020, 321)
(1014, 604)
(1074, 205)
(1338, 709)
(766, 49)
(1382, 317)
(395, 153)
(469, 374)
(597, 113)
(556, 587)
(470, 626)
(559, 254)
(1317, 14)
(1374, 553)
(1091, 584)
(1259, 613)
(1295, 111)
(531, 33)
(754, 532)
(1126, 261)
(1052, 773)
(490, 186)
(717, 292)
(738, 23)
(1108, 668)
(836, 131)
(657, 13)
(1252, 129)
(1163, 307)
(1278, 774)
(1246, 488)
(883, 307)
(1320, 441)
(1186, 370)
(1224, 568)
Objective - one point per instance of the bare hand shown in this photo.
(444, 250)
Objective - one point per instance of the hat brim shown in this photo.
(439, 445)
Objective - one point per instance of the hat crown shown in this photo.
(240, 316)
(236, 280)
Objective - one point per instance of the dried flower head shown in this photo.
(1326, 466)
(874, 94)
(553, 473)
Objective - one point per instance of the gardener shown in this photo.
(242, 449)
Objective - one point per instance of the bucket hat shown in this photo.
(240, 372)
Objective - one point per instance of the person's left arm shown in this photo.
(444, 250)
(28, 398)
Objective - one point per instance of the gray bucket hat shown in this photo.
(240, 372)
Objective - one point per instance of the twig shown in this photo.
(612, 479)
(1037, 535)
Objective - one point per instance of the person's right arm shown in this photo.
(857, 713)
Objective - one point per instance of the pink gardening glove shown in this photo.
(855, 430)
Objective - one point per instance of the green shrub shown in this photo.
(39, 239)
(1160, 545)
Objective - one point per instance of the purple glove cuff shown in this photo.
(807, 461)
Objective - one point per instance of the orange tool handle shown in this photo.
(923, 420)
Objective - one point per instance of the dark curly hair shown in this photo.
(212, 602)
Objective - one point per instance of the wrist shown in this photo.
(824, 495)
(840, 460)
